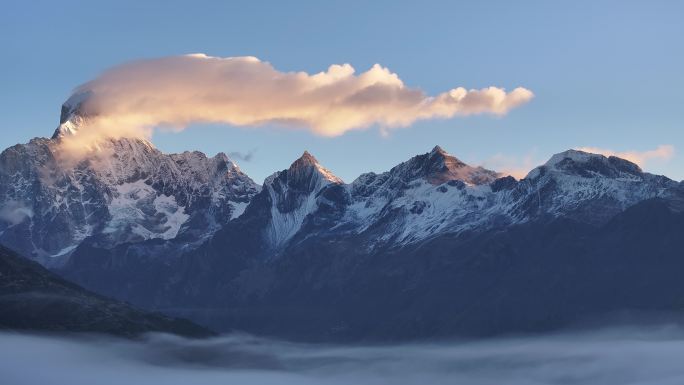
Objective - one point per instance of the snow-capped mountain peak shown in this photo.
(307, 170)
(304, 174)
(294, 194)
(591, 187)
(125, 190)
(305, 160)
(438, 167)
(72, 116)
(587, 165)
(438, 150)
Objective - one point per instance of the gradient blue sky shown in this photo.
(605, 73)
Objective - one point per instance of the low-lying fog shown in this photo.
(618, 356)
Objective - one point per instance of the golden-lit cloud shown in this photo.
(662, 152)
(172, 92)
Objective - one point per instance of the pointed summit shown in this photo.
(441, 158)
(438, 167)
(306, 171)
(305, 160)
(438, 150)
(294, 194)
(72, 115)
(445, 161)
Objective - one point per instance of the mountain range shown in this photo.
(433, 247)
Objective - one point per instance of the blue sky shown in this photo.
(605, 74)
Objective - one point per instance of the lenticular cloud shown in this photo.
(134, 98)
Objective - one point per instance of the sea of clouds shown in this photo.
(616, 356)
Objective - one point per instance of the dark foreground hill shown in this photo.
(32, 298)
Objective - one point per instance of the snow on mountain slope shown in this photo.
(124, 191)
(294, 194)
(591, 187)
(129, 219)
(430, 193)
(426, 194)
(435, 193)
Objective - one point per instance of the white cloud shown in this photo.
(14, 212)
(134, 98)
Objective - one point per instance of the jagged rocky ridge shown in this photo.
(125, 191)
(407, 254)
(435, 193)
(431, 247)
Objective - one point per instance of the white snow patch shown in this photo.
(64, 251)
(137, 205)
(175, 215)
(285, 225)
(327, 175)
(15, 212)
(575, 155)
(238, 209)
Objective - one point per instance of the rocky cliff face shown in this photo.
(123, 191)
